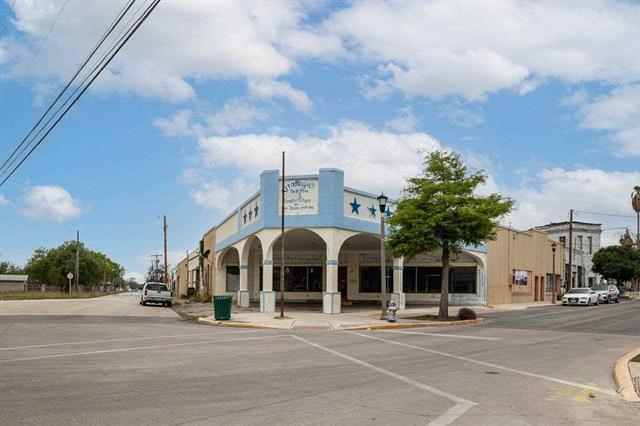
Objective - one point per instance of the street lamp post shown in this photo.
(553, 273)
(635, 203)
(382, 202)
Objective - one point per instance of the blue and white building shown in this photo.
(332, 250)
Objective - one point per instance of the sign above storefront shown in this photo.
(300, 197)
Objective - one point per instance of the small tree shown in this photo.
(440, 211)
(617, 262)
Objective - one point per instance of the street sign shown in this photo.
(70, 275)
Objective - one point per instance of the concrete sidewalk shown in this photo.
(300, 317)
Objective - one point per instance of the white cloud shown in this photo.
(577, 98)
(50, 203)
(235, 115)
(404, 122)
(222, 197)
(460, 116)
(3, 200)
(267, 89)
(439, 48)
(372, 160)
(619, 113)
(140, 278)
(178, 125)
(227, 40)
(428, 49)
(550, 195)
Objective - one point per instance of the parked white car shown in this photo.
(607, 293)
(580, 296)
(156, 293)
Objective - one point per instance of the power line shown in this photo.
(122, 42)
(113, 25)
(605, 214)
(53, 24)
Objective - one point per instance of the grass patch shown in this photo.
(432, 318)
(636, 358)
(38, 295)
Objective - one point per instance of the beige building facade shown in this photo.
(521, 266)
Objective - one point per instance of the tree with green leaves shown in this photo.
(441, 211)
(10, 269)
(51, 266)
(617, 262)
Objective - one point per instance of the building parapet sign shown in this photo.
(300, 197)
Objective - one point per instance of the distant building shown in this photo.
(13, 282)
(586, 241)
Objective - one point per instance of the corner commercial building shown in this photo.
(332, 253)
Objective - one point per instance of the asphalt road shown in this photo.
(543, 366)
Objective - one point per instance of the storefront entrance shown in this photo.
(342, 283)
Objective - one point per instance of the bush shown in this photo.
(466, 314)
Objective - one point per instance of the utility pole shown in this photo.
(282, 246)
(166, 267)
(570, 283)
(77, 261)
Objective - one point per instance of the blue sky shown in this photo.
(544, 96)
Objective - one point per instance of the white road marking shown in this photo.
(137, 348)
(455, 336)
(500, 367)
(449, 416)
(123, 340)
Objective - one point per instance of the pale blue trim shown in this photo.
(330, 208)
(244, 266)
(398, 267)
(267, 262)
(367, 194)
(332, 261)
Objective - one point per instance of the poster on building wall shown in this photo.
(520, 277)
(300, 197)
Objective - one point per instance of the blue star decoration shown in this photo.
(250, 214)
(245, 217)
(372, 211)
(255, 209)
(388, 212)
(355, 206)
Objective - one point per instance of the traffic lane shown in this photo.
(573, 318)
(498, 392)
(238, 381)
(40, 330)
(582, 357)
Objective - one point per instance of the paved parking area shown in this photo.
(168, 371)
(117, 305)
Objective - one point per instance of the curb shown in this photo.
(207, 321)
(414, 325)
(622, 377)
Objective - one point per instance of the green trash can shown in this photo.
(222, 307)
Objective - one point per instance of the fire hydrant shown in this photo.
(391, 311)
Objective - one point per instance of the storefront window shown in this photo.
(302, 279)
(409, 279)
(233, 278)
(462, 280)
(370, 279)
(418, 279)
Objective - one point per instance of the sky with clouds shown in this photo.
(544, 96)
